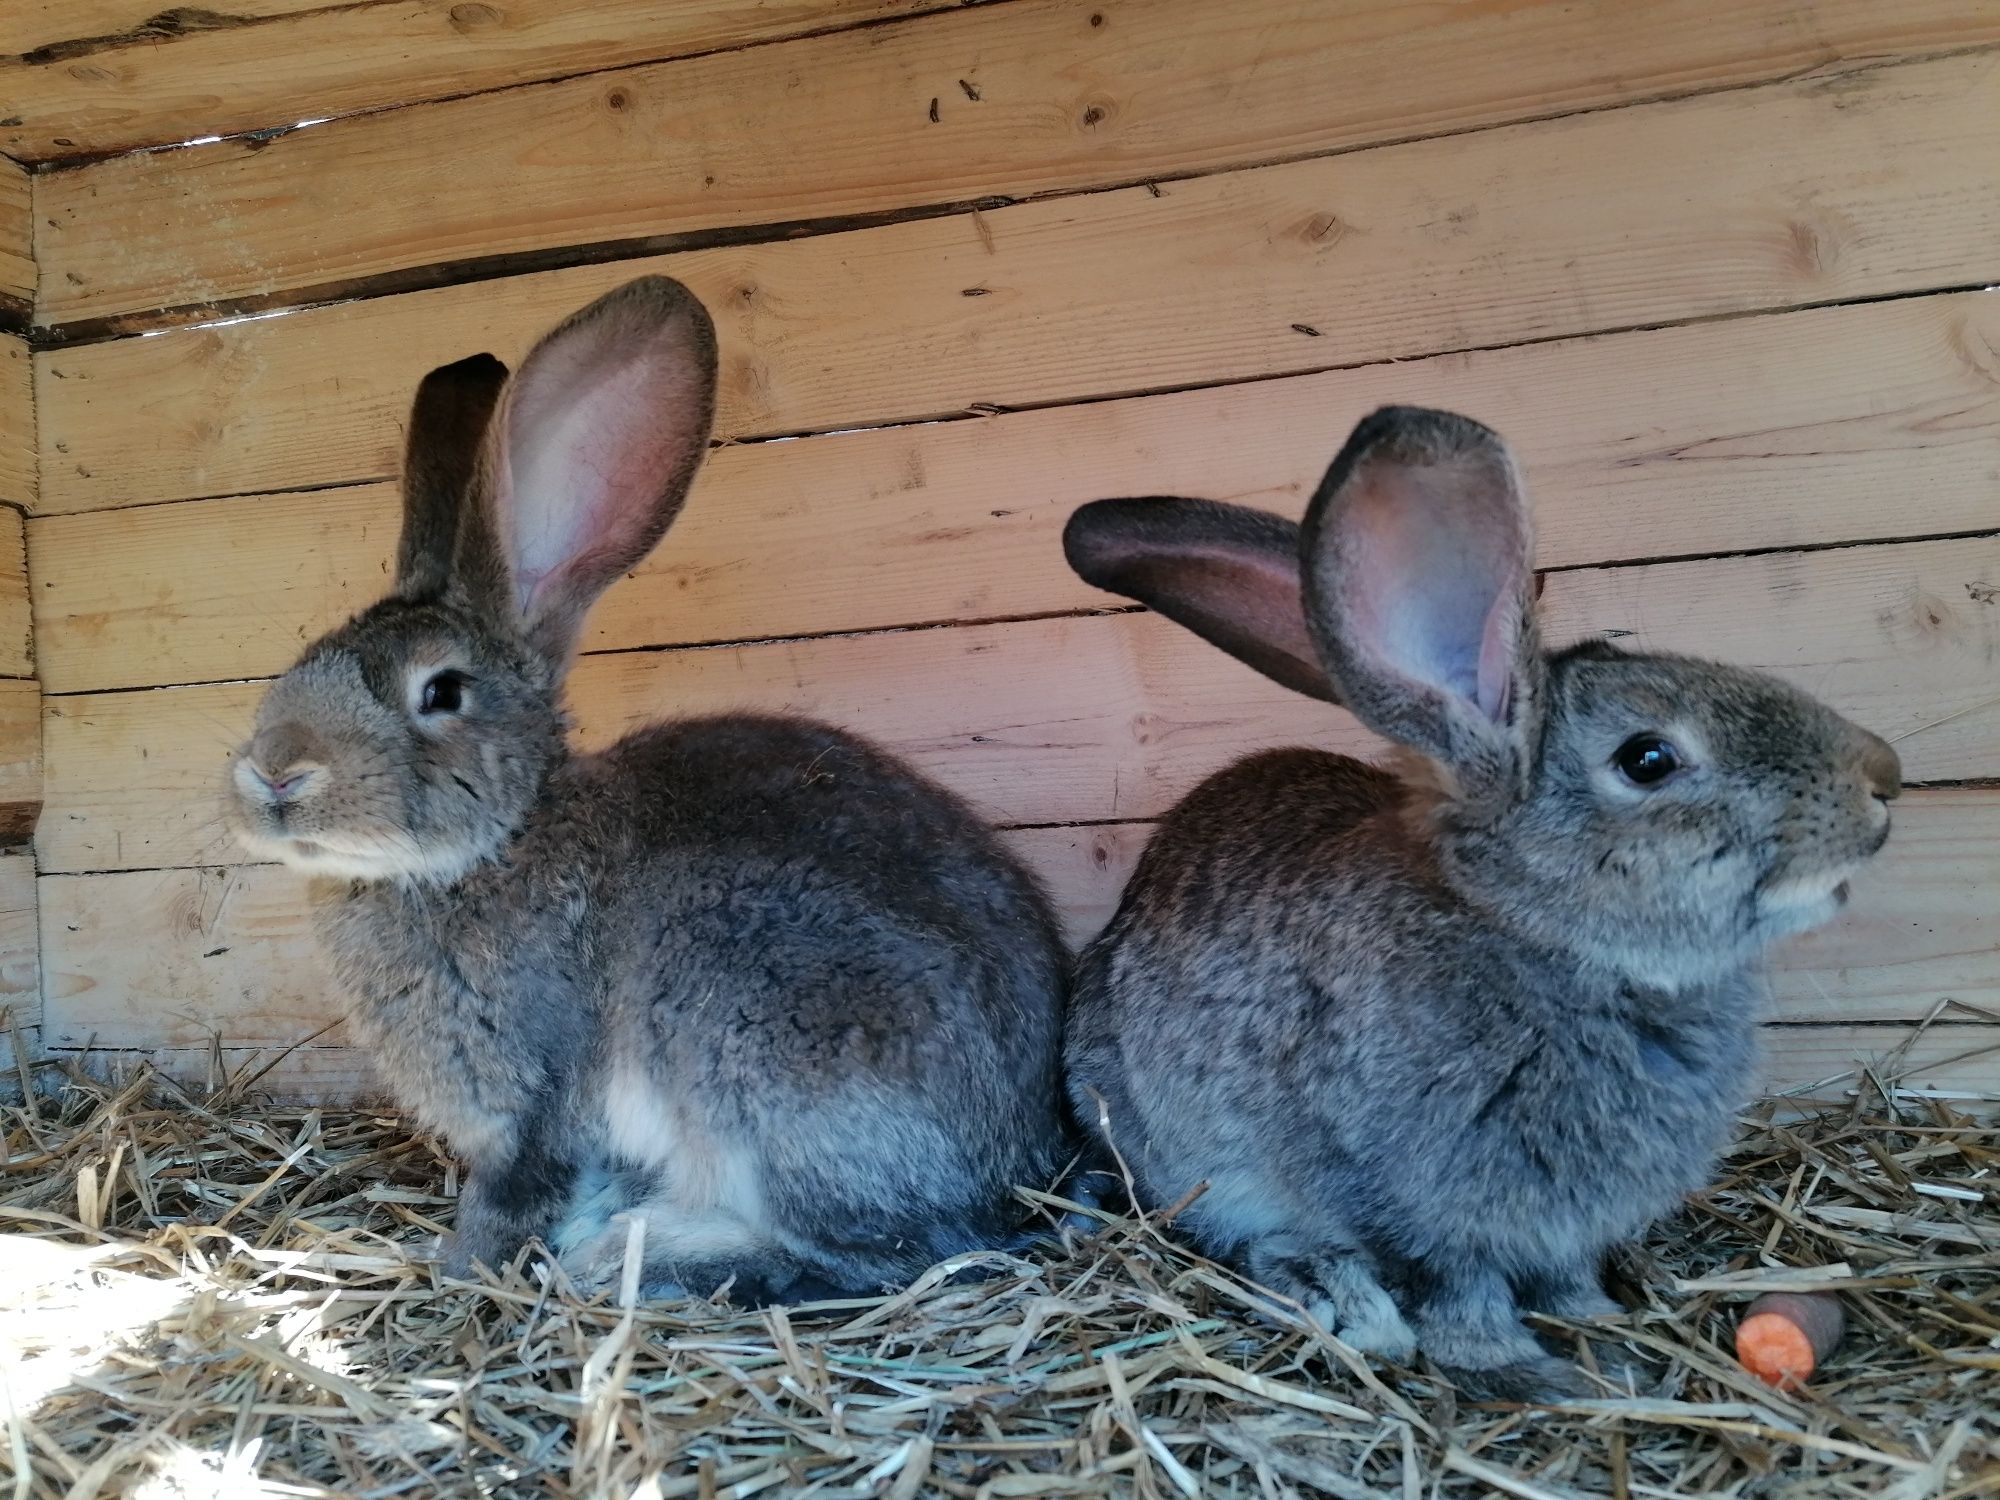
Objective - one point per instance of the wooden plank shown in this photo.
(1923, 925)
(17, 256)
(115, 87)
(1758, 433)
(1039, 722)
(17, 423)
(1954, 1057)
(17, 657)
(20, 968)
(1901, 638)
(1872, 186)
(1084, 869)
(839, 126)
(1964, 1059)
(1114, 716)
(20, 760)
(29, 25)
(169, 958)
(329, 1076)
(166, 958)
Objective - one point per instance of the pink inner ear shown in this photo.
(1496, 660)
(1429, 577)
(598, 436)
(581, 477)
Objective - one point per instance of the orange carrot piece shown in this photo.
(1784, 1336)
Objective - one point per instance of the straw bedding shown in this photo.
(208, 1295)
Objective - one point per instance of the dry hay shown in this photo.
(212, 1296)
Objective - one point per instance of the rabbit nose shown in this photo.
(1883, 768)
(292, 781)
(281, 762)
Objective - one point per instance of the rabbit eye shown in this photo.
(1646, 760)
(442, 694)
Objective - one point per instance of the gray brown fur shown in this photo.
(1438, 1037)
(749, 978)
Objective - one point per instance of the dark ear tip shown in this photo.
(1097, 535)
(657, 298)
(1420, 435)
(474, 372)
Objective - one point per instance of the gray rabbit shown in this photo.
(1437, 1037)
(748, 977)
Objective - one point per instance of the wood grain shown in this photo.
(17, 256)
(1870, 184)
(29, 25)
(21, 788)
(1952, 1057)
(1764, 432)
(168, 958)
(1922, 925)
(17, 424)
(1788, 187)
(107, 93)
(1038, 722)
(1901, 639)
(20, 970)
(17, 657)
(1796, 1058)
(1921, 929)
(1114, 716)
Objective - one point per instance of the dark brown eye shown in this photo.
(1646, 760)
(442, 694)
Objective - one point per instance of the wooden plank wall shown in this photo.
(1719, 271)
(20, 699)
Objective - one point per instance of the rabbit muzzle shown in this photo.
(1837, 826)
(305, 794)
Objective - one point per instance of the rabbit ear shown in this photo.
(598, 439)
(448, 422)
(1229, 574)
(1419, 586)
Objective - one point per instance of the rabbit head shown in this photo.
(411, 742)
(1665, 816)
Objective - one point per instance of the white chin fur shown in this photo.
(328, 859)
(1806, 901)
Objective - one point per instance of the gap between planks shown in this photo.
(1893, 207)
(337, 219)
(216, 84)
(1771, 436)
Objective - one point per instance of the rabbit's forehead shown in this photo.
(329, 681)
(1733, 710)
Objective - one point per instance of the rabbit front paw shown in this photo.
(1381, 1332)
(1337, 1287)
(454, 1257)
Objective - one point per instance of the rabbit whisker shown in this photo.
(1897, 739)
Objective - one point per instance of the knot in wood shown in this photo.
(472, 15)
